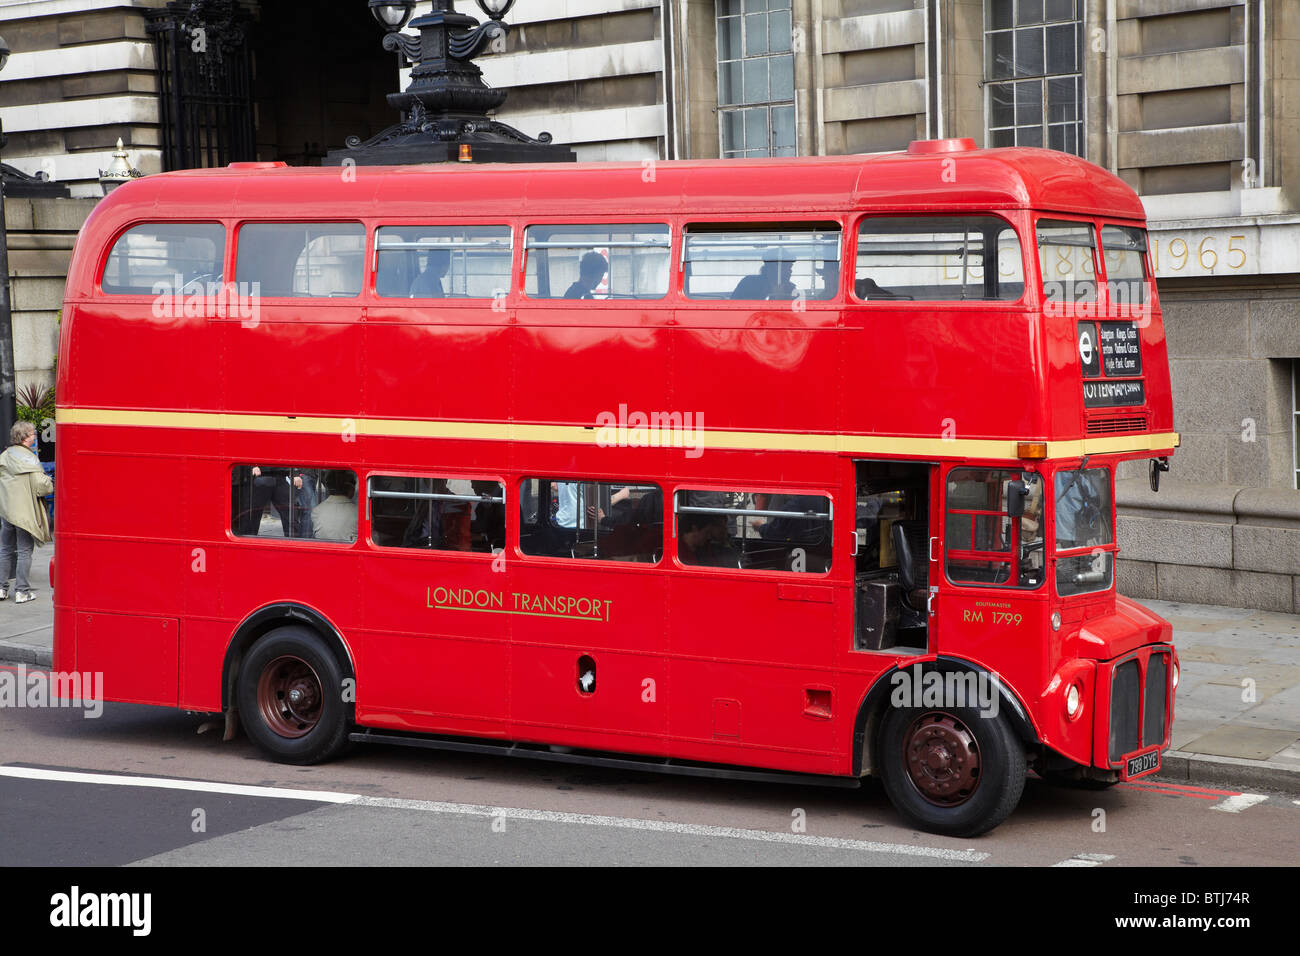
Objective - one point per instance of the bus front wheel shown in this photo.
(290, 697)
(956, 771)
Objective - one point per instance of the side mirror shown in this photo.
(1157, 466)
(903, 552)
(1017, 492)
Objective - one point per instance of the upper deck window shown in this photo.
(1125, 249)
(165, 257)
(1067, 253)
(596, 261)
(302, 258)
(434, 262)
(938, 259)
(789, 262)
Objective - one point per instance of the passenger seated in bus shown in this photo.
(591, 270)
(702, 540)
(335, 518)
(428, 284)
(772, 281)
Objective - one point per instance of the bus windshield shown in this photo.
(1084, 519)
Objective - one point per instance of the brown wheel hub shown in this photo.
(290, 697)
(943, 759)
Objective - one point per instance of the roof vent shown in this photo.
(922, 146)
(257, 165)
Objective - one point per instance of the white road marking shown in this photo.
(515, 813)
(166, 783)
(688, 829)
(1086, 859)
(1241, 801)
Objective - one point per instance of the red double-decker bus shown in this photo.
(771, 469)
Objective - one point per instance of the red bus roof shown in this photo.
(949, 179)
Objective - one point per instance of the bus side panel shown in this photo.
(202, 653)
(125, 355)
(441, 372)
(751, 671)
(325, 374)
(137, 656)
(424, 661)
(575, 374)
(893, 380)
(569, 615)
(774, 373)
(130, 555)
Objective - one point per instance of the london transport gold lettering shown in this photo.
(518, 602)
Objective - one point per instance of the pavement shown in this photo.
(1236, 714)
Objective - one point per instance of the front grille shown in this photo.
(1125, 694)
(1111, 426)
(1138, 713)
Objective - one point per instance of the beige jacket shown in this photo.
(22, 485)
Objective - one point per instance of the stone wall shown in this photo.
(41, 233)
(1210, 544)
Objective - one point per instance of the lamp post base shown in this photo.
(425, 139)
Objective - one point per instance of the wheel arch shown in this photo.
(876, 701)
(268, 618)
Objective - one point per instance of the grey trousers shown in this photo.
(15, 555)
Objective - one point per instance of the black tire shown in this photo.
(309, 727)
(985, 776)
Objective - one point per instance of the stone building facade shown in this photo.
(1195, 103)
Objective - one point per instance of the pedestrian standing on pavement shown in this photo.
(23, 520)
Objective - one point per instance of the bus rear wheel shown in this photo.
(290, 697)
(954, 771)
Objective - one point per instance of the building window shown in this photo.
(1032, 65)
(755, 78)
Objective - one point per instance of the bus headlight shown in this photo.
(1073, 701)
(1175, 676)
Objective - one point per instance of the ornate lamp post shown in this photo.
(444, 110)
(119, 170)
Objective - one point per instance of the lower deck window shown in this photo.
(607, 521)
(437, 514)
(754, 531)
(288, 501)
